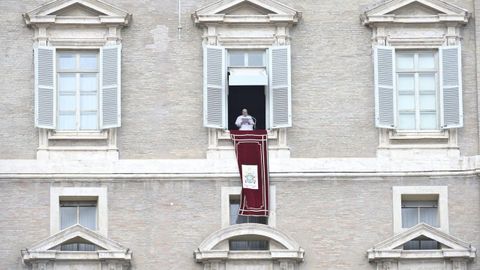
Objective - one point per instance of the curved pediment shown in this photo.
(77, 12)
(285, 247)
(246, 11)
(415, 11)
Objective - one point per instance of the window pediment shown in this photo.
(415, 11)
(73, 12)
(246, 11)
(451, 247)
(105, 248)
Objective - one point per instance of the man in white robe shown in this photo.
(245, 121)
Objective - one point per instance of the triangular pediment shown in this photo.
(74, 233)
(414, 11)
(394, 245)
(242, 9)
(76, 9)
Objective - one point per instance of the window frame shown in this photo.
(228, 192)
(419, 191)
(417, 72)
(418, 209)
(78, 72)
(78, 204)
(58, 194)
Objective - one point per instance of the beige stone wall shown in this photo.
(333, 104)
(164, 221)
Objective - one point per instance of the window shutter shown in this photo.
(110, 70)
(451, 87)
(384, 70)
(45, 97)
(214, 70)
(280, 95)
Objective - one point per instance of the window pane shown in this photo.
(68, 216)
(66, 102)
(88, 61)
(426, 61)
(406, 121)
(66, 121)
(88, 120)
(66, 61)
(237, 59)
(69, 247)
(234, 207)
(88, 217)
(406, 102)
(428, 244)
(406, 82)
(261, 220)
(88, 102)
(426, 82)
(86, 247)
(405, 61)
(409, 217)
(66, 82)
(428, 103)
(428, 121)
(249, 245)
(88, 82)
(412, 245)
(429, 215)
(255, 59)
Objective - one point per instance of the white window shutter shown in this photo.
(214, 73)
(280, 94)
(45, 94)
(451, 87)
(385, 101)
(110, 81)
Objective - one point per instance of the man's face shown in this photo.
(244, 112)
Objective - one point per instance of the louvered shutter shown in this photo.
(110, 68)
(214, 70)
(280, 87)
(384, 70)
(451, 87)
(45, 94)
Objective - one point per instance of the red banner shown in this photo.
(251, 149)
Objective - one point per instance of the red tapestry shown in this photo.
(251, 149)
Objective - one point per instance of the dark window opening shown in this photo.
(421, 243)
(249, 245)
(249, 97)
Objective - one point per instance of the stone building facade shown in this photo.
(115, 151)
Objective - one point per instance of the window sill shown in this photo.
(225, 134)
(63, 135)
(400, 135)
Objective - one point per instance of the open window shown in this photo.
(258, 80)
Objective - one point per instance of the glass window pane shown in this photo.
(409, 217)
(406, 121)
(426, 60)
(68, 216)
(428, 102)
(248, 245)
(426, 82)
(88, 82)
(66, 102)
(66, 61)
(428, 244)
(428, 121)
(406, 102)
(88, 217)
(429, 215)
(66, 121)
(69, 247)
(88, 61)
(237, 58)
(88, 120)
(405, 61)
(66, 82)
(88, 102)
(234, 207)
(406, 82)
(86, 247)
(255, 59)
